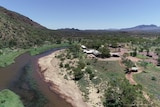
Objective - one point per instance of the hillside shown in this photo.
(19, 31)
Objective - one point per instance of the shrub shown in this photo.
(67, 66)
(91, 76)
(81, 64)
(88, 63)
(78, 74)
(154, 78)
(88, 70)
(61, 65)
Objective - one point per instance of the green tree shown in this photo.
(147, 52)
(105, 53)
(121, 93)
(78, 74)
(158, 61)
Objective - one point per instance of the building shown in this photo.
(91, 51)
(115, 54)
(134, 69)
(83, 47)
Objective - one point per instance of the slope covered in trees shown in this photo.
(17, 30)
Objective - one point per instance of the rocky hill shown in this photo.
(20, 31)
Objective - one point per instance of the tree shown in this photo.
(134, 53)
(105, 53)
(158, 61)
(121, 93)
(147, 52)
(78, 74)
(114, 45)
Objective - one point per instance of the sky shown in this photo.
(87, 14)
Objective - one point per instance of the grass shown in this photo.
(104, 71)
(43, 48)
(141, 56)
(107, 70)
(9, 99)
(8, 56)
(83, 84)
(146, 80)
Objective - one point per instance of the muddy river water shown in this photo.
(11, 73)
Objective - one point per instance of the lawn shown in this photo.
(9, 99)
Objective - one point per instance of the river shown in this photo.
(10, 75)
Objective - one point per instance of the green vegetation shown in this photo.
(121, 93)
(9, 99)
(105, 70)
(134, 53)
(141, 56)
(105, 53)
(41, 49)
(150, 81)
(7, 56)
(128, 63)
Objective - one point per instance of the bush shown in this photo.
(88, 63)
(67, 66)
(154, 78)
(78, 74)
(88, 70)
(61, 65)
(91, 76)
(81, 64)
(128, 63)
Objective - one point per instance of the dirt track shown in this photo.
(129, 76)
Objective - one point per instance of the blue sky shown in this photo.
(87, 14)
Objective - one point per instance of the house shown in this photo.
(115, 54)
(88, 51)
(91, 51)
(96, 52)
(83, 47)
(134, 69)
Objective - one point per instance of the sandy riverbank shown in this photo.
(67, 89)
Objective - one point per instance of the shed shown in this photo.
(115, 54)
(134, 69)
(83, 47)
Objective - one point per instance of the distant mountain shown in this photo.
(145, 28)
(68, 29)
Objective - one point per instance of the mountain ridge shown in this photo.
(147, 28)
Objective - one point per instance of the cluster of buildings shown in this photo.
(96, 52)
(90, 51)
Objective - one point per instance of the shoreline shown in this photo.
(66, 89)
